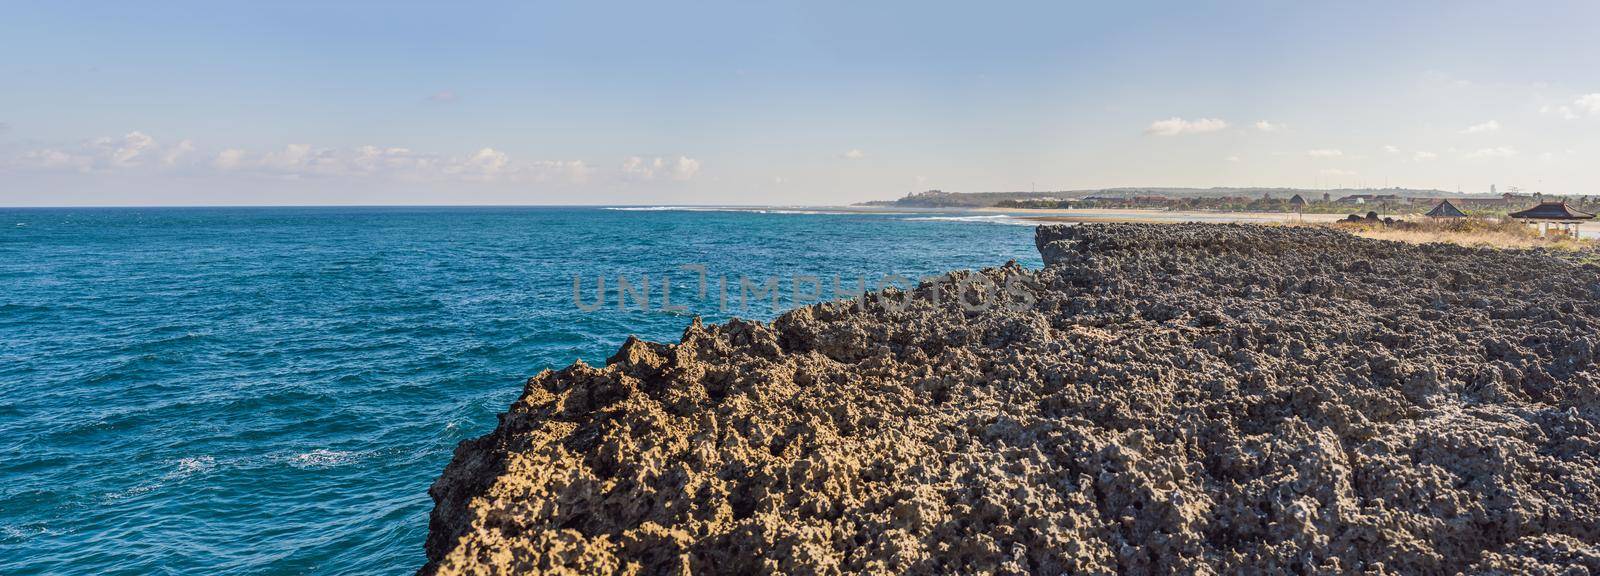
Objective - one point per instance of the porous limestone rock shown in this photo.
(1194, 399)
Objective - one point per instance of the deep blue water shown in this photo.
(273, 390)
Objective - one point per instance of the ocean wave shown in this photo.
(185, 467)
(111, 497)
(988, 219)
(672, 209)
(323, 458)
(10, 533)
(237, 371)
(194, 465)
(751, 210)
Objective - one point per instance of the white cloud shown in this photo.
(102, 153)
(1486, 127)
(53, 159)
(1174, 126)
(1496, 152)
(127, 152)
(1423, 156)
(1325, 153)
(443, 96)
(1232, 159)
(1266, 126)
(176, 153)
(642, 168)
(1549, 157)
(1564, 112)
(1391, 148)
(230, 159)
(686, 168)
(304, 160)
(371, 159)
(853, 154)
(1589, 103)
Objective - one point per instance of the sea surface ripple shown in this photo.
(272, 390)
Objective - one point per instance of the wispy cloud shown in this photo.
(443, 96)
(102, 153)
(1423, 156)
(1585, 105)
(1391, 148)
(1325, 153)
(176, 153)
(1483, 128)
(1563, 112)
(483, 165)
(853, 154)
(1589, 104)
(137, 151)
(1496, 152)
(1266, 126)
(654, 168)
(1175, 126)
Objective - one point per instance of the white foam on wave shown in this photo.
(987, 219)
(183, 468)
(24, 533)
(323, 458)
(751, 210)
(191, 466)
(110, 497)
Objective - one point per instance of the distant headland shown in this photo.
(1332, 201)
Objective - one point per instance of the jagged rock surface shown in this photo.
(1198, 399)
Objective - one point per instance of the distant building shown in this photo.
(1297, 202)
(1371, 199)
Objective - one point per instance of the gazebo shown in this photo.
(1558, 214)
(1445, 210)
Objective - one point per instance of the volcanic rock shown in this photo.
(1196, 399)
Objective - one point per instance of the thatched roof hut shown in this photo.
(1553, 211)
(1445, 210)
(1548, 214)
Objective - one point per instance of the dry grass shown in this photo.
(1472, 232)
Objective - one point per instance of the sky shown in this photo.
(788, 103)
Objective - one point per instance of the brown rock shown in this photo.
(1198, 399)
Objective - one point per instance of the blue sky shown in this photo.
(789, 103)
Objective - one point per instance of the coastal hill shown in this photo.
(942, 199)
(1184, 398)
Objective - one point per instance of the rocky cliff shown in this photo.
(1157, 399)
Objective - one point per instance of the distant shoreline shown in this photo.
(1145, 215)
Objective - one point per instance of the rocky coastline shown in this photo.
(1185, 398)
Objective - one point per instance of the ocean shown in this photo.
(272, 390)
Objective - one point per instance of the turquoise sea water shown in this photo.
(273, 390)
